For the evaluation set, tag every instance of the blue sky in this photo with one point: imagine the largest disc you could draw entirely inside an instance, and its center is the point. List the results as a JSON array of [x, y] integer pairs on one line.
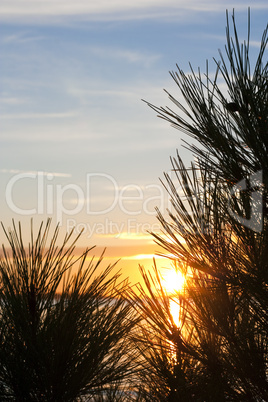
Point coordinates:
[[77, 142]]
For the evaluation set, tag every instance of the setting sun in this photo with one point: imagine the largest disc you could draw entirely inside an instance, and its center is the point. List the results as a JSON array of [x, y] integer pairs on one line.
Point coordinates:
[[172, 281]]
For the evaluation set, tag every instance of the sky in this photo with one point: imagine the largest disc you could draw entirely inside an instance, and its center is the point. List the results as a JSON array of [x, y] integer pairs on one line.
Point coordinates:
[[77, 143]]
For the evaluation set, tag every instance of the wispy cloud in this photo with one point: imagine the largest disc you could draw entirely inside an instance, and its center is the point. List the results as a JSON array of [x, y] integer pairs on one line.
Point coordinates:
[[36, 172], [117, 92], [129, 56], [255, 43], [143, 257], [11, 100], [12, 116], [21, 37], [130, 236], [115, 10]]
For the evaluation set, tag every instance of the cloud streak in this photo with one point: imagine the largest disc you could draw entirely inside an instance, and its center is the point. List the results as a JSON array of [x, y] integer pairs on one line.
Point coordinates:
[[18, 171], [32, 116], [115, 10], [143, 257], [125, 55], [20, 38]]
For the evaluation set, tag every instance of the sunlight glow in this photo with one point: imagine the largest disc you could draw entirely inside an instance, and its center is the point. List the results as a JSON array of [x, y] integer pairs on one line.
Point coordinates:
[[175, 312], [172, 281], [142, 257]]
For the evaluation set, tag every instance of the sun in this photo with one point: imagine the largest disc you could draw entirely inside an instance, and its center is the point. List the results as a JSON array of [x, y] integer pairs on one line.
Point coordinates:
[[172, 281]]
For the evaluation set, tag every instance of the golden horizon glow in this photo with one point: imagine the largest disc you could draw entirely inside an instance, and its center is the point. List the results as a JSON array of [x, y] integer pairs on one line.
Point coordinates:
[[142, 257], [128, 236]]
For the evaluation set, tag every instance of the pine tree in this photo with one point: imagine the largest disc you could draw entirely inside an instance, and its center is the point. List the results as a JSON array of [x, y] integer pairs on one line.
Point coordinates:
[[63, 325], [216, 233]]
